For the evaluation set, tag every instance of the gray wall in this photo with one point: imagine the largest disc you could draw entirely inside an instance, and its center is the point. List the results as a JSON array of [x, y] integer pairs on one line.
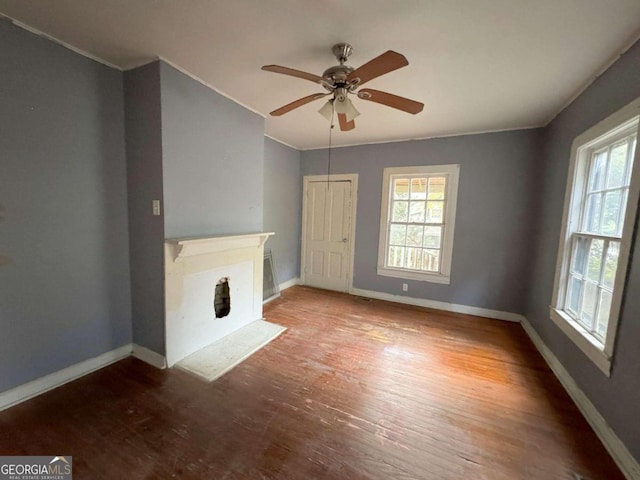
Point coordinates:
[[201, 154], [283, 207], [213, 160], [64, 297], [493, 222], [144, 173], [616, 398]]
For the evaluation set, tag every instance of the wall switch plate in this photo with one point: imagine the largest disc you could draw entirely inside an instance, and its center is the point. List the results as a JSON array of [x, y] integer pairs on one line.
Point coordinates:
[[405, 287], [156, 207]]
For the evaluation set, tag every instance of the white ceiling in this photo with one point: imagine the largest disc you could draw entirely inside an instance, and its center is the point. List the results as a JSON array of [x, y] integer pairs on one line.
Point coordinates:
[[477, 65]]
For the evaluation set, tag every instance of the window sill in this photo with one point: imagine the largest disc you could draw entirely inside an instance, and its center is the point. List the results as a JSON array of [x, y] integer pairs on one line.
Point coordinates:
[[410, 275], [591, 347]]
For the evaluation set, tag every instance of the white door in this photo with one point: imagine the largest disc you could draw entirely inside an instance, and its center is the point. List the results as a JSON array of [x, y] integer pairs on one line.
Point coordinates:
[[327, 234]]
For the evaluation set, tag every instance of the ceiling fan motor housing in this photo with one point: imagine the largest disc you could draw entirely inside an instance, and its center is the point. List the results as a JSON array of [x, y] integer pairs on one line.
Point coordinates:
[[337, 76]]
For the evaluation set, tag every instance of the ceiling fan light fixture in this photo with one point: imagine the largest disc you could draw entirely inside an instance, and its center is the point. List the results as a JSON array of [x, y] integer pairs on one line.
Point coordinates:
[[327, 110], [346, 106]]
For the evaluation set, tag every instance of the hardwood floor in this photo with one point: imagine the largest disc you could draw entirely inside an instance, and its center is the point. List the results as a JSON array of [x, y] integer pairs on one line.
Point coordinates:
[[353, 389]]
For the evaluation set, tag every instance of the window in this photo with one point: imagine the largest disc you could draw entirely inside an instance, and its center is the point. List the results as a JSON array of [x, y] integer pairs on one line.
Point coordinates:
[[600, 209], [417, 222]]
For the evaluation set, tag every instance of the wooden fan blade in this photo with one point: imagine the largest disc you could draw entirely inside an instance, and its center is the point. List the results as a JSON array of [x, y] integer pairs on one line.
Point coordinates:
[[292, 72], [297, 103], [344, 125], [390, 100], [385, 63]]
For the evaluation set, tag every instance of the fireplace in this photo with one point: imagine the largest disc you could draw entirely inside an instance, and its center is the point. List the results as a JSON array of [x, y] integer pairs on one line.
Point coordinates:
[[213, 287]]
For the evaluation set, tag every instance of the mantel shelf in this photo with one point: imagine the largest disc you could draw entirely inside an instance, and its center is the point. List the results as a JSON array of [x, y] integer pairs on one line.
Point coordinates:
[[192, 246]]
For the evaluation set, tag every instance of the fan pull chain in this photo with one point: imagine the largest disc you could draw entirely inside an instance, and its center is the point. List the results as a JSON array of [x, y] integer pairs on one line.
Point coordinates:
[[329, 155]]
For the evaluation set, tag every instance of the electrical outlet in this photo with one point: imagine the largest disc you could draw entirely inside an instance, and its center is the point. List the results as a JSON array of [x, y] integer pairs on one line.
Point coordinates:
[[155, 205], [405, 287]]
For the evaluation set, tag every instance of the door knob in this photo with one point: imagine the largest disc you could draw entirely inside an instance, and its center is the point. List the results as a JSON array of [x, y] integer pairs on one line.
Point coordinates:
[[345, 240]]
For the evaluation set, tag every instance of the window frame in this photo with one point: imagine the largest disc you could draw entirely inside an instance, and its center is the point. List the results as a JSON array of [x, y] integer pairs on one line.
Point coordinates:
[[452, 173], [605, 132]]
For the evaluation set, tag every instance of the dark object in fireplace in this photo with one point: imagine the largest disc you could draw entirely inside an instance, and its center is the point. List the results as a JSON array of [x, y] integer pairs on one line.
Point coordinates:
[[222, 300]]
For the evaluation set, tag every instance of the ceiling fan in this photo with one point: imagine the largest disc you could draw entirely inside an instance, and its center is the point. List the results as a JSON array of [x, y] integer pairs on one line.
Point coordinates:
[[342, 80]]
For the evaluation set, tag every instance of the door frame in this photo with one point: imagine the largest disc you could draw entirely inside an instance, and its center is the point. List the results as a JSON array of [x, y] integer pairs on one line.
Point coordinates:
[[353, 178]]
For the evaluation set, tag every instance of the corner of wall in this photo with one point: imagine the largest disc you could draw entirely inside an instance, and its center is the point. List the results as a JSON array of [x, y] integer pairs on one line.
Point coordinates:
[[621, 455]]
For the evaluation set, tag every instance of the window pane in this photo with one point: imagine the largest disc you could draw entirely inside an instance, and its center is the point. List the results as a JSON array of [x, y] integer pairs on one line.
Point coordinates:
[[603, 313], [431, 260], [575, 290], [598, 167], [401, 189], [416, 212], [400, 212], [581, 249], [611, 264], [437, 188], [414, 235], [592, 213], [610, 212], [413, 258], [432, 237], [623, 210], [595, 260], [617, 165], [590, 297], [397, 234], [418, 188], [396, 257], [435, 212]]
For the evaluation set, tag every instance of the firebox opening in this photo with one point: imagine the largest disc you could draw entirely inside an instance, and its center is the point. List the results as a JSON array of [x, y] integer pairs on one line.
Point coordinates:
[[222, 300]]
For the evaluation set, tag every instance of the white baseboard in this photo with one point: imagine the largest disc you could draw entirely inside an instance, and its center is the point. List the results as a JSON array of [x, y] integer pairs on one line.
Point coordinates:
[[449, 307], [629, 465], [289, 283], [282, 286], [149, 356], [44, 384]]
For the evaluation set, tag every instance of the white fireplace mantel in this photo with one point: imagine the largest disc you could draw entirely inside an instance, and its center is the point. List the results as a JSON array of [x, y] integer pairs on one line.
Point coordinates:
[[192, 268], [188, 247]]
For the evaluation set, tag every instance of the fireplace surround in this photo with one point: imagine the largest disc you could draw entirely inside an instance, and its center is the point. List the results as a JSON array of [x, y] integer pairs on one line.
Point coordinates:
[[194, 270]]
